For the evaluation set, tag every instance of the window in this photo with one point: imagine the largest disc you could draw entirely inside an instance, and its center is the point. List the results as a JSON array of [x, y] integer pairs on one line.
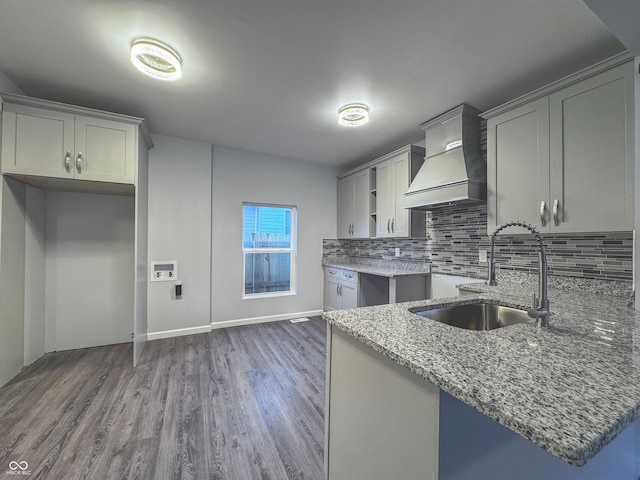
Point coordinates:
[[269, 249]]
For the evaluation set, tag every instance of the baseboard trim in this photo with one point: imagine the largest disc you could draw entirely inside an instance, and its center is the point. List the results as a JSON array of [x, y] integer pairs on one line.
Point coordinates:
[[265, 319], [178, 332]]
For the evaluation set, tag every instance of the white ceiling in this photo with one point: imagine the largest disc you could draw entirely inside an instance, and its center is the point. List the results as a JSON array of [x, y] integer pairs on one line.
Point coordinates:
[[269, 76]]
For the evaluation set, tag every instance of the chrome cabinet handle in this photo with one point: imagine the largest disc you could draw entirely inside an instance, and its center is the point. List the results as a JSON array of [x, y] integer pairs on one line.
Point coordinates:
[[393, 221], [388, 223], [338, 290], [79, 162], [543, 207], [556, 219], [67, 162], [340, 286]]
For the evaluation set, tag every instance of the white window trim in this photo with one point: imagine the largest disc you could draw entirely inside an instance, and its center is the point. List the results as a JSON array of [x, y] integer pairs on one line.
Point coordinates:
[[293, 251]]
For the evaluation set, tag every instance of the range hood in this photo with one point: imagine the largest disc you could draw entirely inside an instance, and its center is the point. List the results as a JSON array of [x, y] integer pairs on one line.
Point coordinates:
[[454, 170]]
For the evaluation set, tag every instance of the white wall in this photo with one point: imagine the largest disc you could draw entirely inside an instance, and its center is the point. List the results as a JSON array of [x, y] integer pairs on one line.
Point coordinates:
[[89, 270], [12, 202], [35, 285], [180, 229], [243, 177]]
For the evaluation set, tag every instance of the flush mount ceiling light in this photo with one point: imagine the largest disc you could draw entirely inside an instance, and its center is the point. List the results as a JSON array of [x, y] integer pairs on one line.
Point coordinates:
[[156, 59], [353, 115]]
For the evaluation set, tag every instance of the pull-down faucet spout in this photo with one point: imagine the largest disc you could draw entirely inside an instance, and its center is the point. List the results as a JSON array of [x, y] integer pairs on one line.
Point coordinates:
[[541, 301]]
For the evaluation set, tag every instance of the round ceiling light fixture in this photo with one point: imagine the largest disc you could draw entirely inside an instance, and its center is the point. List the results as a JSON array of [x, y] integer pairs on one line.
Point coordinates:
[[353, 115], [156, 59]]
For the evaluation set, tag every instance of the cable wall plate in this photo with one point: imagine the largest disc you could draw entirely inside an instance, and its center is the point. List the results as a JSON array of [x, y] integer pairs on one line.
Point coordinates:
[[164, 271]]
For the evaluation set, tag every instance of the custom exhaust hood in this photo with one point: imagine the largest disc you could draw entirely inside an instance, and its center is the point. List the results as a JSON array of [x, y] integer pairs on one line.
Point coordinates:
[[454, 170]]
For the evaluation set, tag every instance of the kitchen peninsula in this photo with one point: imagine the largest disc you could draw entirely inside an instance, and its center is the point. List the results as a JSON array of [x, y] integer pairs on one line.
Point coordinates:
[[404, 392]]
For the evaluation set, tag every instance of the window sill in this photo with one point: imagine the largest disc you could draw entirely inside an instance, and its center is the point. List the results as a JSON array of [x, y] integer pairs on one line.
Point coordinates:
[[254, 296]]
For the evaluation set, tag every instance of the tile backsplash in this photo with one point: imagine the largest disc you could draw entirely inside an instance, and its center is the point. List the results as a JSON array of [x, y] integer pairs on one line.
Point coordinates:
[[455, 235]]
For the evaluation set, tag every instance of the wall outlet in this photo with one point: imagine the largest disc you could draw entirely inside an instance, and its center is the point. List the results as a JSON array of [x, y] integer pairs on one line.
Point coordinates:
[[482, 256], [397, 251]]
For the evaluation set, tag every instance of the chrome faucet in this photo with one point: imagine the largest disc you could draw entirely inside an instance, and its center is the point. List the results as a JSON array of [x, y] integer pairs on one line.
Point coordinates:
[[541, 302]]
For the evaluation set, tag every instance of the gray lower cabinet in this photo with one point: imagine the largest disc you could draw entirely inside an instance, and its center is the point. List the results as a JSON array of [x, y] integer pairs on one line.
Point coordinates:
[[442, 286], [564, 161], [381, 420], [350, 289], [340, 289]]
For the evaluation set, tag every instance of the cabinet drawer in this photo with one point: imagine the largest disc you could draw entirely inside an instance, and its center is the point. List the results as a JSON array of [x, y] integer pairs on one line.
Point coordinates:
[[332, 272], [349, 276]]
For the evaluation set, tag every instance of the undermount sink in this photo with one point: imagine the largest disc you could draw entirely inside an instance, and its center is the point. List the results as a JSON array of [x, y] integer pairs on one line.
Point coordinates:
[[477, 316]]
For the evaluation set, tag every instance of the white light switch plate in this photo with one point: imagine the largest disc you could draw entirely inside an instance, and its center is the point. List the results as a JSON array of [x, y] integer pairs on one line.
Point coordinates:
[[397, 251], [482, 256]]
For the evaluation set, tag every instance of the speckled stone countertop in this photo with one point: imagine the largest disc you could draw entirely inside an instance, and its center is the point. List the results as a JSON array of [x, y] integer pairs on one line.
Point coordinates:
[[569, 389], [383, 268]]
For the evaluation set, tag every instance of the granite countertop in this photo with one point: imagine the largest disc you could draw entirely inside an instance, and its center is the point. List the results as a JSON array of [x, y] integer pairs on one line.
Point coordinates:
[[383, 268], [569, 389]]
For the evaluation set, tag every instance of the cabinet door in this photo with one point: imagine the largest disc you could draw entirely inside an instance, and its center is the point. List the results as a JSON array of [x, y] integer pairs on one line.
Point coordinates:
[[346, 206], [105, 150], [518, 166], [37, 141], [400, 219], [385, 199], [349, 294], [362, 190], [332, 299], [592, 153]]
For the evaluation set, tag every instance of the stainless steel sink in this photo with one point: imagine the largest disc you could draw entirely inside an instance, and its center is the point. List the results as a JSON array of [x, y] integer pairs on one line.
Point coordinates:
[[477, 316]]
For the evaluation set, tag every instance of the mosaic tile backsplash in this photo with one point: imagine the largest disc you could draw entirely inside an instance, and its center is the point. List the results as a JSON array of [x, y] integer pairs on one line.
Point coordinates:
[[455, 234]]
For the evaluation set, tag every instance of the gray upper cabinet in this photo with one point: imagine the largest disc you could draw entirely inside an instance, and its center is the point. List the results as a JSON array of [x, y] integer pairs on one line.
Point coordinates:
[[42, 141], [353, 205], [394, 173], [371, 200], [562, 158], [518, 164], [37, 141], [392, 181]]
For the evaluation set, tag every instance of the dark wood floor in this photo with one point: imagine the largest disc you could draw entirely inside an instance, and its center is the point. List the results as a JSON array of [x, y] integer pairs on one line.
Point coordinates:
[[239, 403]]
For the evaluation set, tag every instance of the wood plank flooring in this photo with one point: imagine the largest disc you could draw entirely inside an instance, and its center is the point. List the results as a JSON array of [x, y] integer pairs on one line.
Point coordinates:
[[240, 403]]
